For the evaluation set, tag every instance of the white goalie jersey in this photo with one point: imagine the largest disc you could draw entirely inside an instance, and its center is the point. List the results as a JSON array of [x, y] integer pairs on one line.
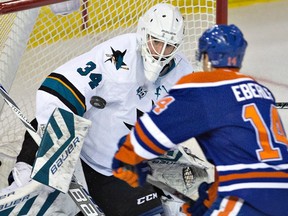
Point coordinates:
[[106, 85]]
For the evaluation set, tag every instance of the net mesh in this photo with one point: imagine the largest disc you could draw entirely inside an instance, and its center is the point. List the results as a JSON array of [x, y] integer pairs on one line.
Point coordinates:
[[34, 42]]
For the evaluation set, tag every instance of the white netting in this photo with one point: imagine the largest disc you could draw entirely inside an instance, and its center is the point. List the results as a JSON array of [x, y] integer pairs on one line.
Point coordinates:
[[55, 39]]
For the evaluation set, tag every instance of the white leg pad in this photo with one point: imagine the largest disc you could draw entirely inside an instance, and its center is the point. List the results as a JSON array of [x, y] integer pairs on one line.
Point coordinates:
[[7, 164]]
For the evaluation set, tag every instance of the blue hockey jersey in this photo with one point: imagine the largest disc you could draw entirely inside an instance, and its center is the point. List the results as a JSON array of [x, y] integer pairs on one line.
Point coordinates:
[[236, 123]]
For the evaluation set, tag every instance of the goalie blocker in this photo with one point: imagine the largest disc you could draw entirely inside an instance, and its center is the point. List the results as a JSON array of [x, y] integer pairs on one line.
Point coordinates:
[[87, 206], [59, 149]]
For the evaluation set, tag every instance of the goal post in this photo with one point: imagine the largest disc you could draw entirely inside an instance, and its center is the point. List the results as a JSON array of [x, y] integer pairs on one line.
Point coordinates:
[[222, 12], [35, 41], [20, 5]]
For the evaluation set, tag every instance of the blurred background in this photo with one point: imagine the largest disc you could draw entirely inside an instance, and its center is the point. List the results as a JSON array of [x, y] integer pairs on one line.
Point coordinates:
[[265, 27]]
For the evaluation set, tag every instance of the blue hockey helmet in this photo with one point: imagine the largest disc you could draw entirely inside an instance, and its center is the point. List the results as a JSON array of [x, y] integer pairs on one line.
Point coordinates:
[[224, 44]]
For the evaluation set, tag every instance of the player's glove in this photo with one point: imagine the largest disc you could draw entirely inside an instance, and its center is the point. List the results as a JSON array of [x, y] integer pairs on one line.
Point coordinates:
[[186, 209], [128, 166]]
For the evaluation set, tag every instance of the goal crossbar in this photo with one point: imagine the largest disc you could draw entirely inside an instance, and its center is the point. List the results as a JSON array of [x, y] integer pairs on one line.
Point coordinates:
[[20, 5]]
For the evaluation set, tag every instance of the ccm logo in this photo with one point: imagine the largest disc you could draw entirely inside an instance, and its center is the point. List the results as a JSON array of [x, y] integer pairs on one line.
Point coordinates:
[[147, 198]]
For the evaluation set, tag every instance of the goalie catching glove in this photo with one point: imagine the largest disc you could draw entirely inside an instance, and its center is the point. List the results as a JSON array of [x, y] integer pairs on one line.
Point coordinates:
[[207, 195], [128, 166]]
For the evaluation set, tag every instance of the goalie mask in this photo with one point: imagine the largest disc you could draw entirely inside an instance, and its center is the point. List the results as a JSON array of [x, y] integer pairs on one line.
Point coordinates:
[[224, 44], [160, 33]]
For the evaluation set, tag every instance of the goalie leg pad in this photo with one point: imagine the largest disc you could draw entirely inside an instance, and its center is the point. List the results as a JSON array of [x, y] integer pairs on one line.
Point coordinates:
[[6, 165], [28, 197]]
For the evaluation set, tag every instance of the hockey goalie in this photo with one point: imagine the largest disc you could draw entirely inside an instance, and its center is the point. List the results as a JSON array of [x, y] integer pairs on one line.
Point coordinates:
[[123, 72], [177, 172]]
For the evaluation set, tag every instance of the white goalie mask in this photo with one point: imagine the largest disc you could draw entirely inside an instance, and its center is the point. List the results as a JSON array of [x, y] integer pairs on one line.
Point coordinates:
[[160, 33]]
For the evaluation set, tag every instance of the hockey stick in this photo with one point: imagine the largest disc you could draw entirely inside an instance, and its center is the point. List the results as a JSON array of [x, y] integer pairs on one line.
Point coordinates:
[[76, 191], [282, 105]]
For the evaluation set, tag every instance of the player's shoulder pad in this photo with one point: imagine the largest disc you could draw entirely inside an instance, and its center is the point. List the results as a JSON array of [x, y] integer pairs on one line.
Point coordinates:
[[217, 76], [119, 56]]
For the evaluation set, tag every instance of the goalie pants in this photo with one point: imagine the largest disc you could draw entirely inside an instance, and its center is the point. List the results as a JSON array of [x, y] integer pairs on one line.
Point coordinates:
[[117, 198]]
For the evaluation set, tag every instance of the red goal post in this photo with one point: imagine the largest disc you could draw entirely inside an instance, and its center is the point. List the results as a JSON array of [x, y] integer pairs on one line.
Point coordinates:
[[34, 41], [20, 5], [222, 12]]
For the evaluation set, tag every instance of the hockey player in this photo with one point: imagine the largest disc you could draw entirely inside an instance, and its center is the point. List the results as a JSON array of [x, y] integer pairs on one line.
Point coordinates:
[[235, 121], [112, 85]]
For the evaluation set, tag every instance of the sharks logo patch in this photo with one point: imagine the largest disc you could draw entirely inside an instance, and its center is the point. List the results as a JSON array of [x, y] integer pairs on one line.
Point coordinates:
[[117, 58]]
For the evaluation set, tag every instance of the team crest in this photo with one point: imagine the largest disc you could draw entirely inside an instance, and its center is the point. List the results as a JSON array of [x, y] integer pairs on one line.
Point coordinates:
[[117, 58], [159, 89], [141, 92]]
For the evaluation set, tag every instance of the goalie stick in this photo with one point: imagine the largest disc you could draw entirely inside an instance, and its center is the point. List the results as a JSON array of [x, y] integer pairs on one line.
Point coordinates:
[[282, 105], [76, 191]]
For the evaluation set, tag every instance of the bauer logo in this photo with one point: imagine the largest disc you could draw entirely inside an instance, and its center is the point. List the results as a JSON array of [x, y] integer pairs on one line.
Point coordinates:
[[59, 149], [14, 202], [68, 151], [7, 195]]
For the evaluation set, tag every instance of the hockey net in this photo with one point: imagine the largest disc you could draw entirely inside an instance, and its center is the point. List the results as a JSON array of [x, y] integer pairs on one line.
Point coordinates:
[[34, 42]]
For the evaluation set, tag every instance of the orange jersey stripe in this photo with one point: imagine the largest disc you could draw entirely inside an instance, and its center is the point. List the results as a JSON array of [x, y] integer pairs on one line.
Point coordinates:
[[229, 206], [215, 76], [212, 192], [126, 153], [147, 141], [253, 175]]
